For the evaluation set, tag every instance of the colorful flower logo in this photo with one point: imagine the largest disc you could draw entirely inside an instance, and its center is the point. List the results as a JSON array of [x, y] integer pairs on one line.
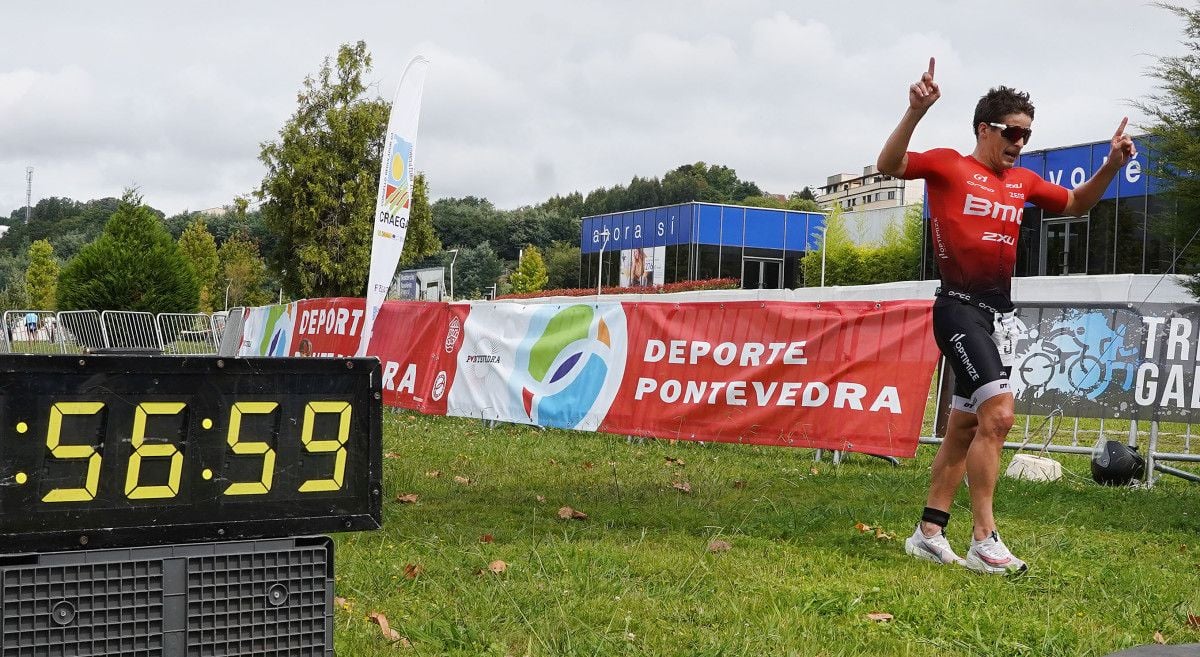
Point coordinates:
[[571, 362]]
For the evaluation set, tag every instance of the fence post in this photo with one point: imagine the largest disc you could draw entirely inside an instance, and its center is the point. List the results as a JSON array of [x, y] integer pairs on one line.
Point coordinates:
[[1150, 450]]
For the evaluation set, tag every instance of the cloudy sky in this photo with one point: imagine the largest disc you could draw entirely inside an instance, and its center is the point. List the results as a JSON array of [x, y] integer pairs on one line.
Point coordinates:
[[528, 99]]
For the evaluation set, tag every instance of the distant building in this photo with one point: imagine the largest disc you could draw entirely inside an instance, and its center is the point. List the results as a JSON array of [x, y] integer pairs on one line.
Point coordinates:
[[762, 247], [869, 191]]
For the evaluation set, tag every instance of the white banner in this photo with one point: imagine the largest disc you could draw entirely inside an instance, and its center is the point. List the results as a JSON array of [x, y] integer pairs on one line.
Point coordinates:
[[394, 200]]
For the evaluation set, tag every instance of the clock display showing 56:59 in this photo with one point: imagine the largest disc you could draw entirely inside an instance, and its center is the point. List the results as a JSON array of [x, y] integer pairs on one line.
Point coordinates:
[[119, 446]]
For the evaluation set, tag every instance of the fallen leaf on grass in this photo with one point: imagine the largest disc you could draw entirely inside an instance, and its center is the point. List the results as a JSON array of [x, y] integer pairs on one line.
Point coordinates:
[[882, 535], [879, 616], [408, 498], [486, 538], [341, 602], [567, 513], [718, 546], [541, 498], [411, 570], [382, 621], [815, 471], [587, 465], [671, 460], [433, 474], [1159, 638], [465, 481], [553, 462], [497, 566], [682, 486], [1193, 621], [739, 484], [392, 455], [863, 527]]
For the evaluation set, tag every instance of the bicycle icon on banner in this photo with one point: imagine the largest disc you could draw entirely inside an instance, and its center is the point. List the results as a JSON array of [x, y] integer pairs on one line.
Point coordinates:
[[1079, 356]]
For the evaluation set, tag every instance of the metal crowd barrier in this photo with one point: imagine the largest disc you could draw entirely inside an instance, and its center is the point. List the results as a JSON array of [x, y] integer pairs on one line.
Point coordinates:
[[1056, 433], [84, 331]]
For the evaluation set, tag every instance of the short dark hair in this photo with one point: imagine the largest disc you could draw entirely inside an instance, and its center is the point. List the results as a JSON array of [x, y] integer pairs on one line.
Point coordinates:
[[998, 103]]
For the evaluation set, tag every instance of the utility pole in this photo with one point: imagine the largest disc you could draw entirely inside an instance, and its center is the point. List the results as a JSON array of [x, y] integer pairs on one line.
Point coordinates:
[[28, 192]]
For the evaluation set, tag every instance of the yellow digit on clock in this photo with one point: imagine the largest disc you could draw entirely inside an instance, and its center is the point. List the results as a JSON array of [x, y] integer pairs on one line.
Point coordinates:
[[72, 452], [242, 447], [133, 490], [319, 446]]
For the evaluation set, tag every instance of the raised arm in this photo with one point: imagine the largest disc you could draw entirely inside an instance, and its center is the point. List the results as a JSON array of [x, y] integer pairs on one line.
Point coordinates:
[[1084, 197], [893, 159]]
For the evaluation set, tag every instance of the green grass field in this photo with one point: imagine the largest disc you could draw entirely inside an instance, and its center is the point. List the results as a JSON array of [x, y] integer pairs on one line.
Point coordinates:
[[1108, 567]]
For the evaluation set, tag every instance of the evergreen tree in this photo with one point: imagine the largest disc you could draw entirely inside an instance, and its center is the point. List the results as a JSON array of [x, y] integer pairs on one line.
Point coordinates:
[[477, 269], [1175, 136], [241, 274], [200, 250], [562, 266], [133, 265], [843, 260], [41, 279], [322, 176], [530, 274]]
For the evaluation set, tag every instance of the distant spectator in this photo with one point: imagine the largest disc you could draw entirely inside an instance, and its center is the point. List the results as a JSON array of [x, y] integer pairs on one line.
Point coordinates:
[[31, 324]]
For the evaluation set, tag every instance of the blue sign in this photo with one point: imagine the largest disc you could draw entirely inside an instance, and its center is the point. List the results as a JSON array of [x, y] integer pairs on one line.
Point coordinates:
[[702, 223], [1071, 166]]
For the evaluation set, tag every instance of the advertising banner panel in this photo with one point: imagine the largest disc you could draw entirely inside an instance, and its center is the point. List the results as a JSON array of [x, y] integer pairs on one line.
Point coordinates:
[[1108, 361], [417, 342], [852, 376], [328, 327]]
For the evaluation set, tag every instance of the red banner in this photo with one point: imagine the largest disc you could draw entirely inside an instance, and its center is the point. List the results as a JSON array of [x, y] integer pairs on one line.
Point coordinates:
[[417, 343], [849, 375], [852, 376], [327, 327]]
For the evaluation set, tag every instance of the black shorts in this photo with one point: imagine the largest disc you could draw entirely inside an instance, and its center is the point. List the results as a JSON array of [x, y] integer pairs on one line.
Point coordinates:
[[979, 345]]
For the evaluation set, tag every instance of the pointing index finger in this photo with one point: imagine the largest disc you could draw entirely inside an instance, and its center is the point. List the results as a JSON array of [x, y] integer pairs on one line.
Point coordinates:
[[1121, 128], [931, 67]]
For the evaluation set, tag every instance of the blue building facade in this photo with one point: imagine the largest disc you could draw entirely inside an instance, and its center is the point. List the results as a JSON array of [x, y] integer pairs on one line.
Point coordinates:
[[692, 241], [1132, 230]]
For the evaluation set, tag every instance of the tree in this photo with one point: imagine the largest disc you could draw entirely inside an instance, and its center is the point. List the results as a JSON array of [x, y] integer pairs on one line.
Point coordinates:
[[562, 266], [241, 273], [319, 190], [843, 260], [477, 269], [1175, 112], [133, 265], [420, 241], [68, 225], [14, 296], [805, 194], [898, 258], [467, 221], [41, 279], [530, 274], [200, 250]]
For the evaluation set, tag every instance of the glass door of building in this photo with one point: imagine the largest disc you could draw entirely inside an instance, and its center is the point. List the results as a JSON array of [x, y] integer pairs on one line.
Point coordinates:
[[762, 273], [1064, 250]]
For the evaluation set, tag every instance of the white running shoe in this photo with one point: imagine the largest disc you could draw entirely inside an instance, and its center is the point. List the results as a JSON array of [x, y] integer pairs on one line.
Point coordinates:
[[991, 556], [936, 548]]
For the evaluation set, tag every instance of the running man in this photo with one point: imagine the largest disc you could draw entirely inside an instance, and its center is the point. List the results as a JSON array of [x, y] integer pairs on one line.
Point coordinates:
[[975, 206]]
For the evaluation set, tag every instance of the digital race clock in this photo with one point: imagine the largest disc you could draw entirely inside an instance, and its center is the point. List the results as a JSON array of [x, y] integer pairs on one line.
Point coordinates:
[[102, 451]]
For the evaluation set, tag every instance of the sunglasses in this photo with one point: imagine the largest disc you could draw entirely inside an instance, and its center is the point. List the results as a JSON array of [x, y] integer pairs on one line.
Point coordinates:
[[1013, 133]]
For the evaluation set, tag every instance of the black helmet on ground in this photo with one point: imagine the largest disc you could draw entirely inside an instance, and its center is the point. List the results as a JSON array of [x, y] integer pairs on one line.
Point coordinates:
[[1116, 464]]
